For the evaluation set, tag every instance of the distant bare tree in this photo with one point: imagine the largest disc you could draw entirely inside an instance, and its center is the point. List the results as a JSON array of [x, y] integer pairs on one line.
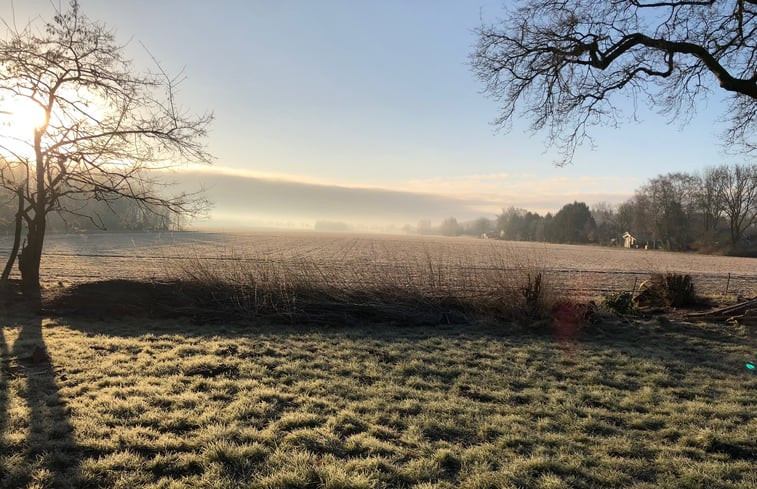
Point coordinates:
[[450, 227], [481, 226], [104, 126], [510, 224], [671, 199], [738, 191], [562, 62], [709, 199], [625, 216], [606, 218], [643, 218]]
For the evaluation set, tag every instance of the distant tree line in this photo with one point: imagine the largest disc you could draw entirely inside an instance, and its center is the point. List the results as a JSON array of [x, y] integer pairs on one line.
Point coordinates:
[[572, 224], [711, 210], [116, 214], [332, 226]]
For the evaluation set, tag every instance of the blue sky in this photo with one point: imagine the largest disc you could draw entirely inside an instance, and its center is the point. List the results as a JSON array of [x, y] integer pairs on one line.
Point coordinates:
[[371, 95]]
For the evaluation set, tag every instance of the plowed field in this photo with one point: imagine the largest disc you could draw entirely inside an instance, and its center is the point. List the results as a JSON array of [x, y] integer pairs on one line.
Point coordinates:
[[582, 270]]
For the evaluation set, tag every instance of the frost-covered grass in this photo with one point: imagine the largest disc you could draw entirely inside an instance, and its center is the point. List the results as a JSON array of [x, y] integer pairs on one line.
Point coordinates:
[[167, 404]]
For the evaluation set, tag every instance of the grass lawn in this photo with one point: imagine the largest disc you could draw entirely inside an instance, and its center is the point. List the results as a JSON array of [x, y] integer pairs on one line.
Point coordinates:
[[140, 403]]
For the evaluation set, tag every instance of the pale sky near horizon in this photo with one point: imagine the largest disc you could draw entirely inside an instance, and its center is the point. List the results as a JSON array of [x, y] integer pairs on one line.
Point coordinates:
[[327, 98]]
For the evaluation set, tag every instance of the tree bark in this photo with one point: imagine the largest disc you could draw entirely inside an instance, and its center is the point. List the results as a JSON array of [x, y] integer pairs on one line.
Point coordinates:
[[31, 255], [16, 237], [735, 232]]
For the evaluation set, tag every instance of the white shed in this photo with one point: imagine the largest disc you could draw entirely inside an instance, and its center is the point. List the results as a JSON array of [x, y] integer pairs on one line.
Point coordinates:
[[629, 241]]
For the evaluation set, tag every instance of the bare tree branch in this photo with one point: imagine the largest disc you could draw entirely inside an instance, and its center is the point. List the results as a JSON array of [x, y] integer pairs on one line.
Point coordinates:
[[561, 63]]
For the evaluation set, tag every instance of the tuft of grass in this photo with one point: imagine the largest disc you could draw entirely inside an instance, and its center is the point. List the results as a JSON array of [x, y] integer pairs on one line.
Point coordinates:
[[679, 290], [672, 290]]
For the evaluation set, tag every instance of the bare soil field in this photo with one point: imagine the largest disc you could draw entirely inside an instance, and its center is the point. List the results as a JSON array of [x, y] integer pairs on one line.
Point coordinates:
[[582, 271]]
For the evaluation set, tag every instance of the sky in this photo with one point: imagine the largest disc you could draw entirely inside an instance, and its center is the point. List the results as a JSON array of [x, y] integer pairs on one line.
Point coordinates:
[[368, 113]]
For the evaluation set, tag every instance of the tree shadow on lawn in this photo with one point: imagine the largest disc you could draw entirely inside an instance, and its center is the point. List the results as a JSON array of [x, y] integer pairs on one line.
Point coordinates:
[[611, 350], [49, 455], [681, 361], [123, 308], [126, 308], [696, 343]]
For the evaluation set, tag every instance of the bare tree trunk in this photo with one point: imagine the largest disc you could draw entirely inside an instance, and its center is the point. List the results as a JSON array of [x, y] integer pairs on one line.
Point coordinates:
[[16, 237], [735, 232], [31, 255]]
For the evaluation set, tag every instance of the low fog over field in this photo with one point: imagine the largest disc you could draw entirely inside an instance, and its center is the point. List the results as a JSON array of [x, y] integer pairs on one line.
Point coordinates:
[[243, 200]]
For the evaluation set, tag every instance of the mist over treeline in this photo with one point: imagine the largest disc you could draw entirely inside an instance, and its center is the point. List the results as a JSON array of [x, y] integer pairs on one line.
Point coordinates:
[[714, 210], [113, 214]]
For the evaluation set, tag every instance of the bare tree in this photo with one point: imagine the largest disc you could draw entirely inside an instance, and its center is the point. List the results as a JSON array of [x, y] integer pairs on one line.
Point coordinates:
[[562, 63], [605, 216], [671, 207], [450, 227], [738, 192], [104, 127], [709, 199], [625, 216], [642, 214]]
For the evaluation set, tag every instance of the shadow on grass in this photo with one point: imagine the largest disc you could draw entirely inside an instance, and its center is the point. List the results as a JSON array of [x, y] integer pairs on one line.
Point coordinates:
[[5, 371], [214, 303], [46, 453], [124, 308]]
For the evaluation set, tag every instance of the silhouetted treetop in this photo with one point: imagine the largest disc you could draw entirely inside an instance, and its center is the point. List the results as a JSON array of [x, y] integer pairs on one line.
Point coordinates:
[[105, 127], [562, 62]]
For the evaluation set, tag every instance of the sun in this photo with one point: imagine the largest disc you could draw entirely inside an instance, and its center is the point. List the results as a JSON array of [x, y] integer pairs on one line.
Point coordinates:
[[21, 114], [19, 117]]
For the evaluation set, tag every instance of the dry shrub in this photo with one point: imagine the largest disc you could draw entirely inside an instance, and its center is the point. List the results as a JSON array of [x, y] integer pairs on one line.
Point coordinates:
[[533, 295], [619, 302], [428, 289], [667, 290], [516, 287]]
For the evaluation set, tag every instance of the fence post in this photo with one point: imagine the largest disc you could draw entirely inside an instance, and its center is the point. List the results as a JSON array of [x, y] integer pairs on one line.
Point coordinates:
[[728, 283]]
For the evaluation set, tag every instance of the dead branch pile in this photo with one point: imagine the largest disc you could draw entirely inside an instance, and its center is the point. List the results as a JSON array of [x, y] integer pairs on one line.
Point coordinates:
[[742, 313]]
